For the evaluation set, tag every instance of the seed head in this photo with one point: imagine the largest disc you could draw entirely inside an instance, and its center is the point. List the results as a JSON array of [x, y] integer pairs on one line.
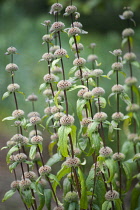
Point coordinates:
[[56, 7], [118, 156], [47, 22], [86, 121], [58, 208], [70, 9], [48, 78], [117, 116], [13, 87], [92, 58], [67, 120], [54, 137], [64, 84], [129, 81], [130, 56], [88, 95], [59, 53], [35, 120], [86, 75], [106, 151], [79, 47], [128, 14], [71, 197], [32, 97], [72, 162], [55, 109], [36, 139], [111, 195], [92, 45], [12, 158], [77, 24], [133, 108], [25, 184], [47, 38], [58, 115], [33, 133], [18, 113], [79, 62], [78, 73], [47, 111], [17, 138], [11, 67], [77, 151], [17, 123], [10, 143], [57, 26], [100, 116], [117, 66], [15, 184], [117, 89], [132, 136], [56, 70], [127, 32], [33, 114], [54, 48], [47, 56], [47, 92], [30, 175], [20, 157], [81, 92], [97, 72], [74, 31], [117, 52], [44, 170], [11, 50], [98, 91]]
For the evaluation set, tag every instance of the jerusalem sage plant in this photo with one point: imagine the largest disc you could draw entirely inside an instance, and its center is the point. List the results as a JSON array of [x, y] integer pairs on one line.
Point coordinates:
[[76, 147]]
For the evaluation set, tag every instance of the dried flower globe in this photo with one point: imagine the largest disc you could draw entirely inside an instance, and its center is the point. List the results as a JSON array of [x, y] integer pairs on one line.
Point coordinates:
[[48, 57], [77, 46], [64, 84], [92, 58], [128, 32], [11, 50], [117, 66], [130, 56], [71, 197], [36, 139], [59, 53], [11, 67], [67, 120], [98, 91], [74, 31], [118, 156], [100, 116], [70, 9], [97, 72], [44, 170], [18, 113], [25, 184], [111, 195], [117, 89], [32, 97], [13, 87], [48, 78], [79, 62], [47, 38], [35, 120], [129, 81], [128, 14], [57, 26], [15, 184], [21, 157], [117, 116], [106, 151]]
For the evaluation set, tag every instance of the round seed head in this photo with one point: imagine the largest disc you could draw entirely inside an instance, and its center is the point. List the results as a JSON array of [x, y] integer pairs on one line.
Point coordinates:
[[130, 56], [30, 175], [17, 138], [58, 115], [54, 48], [129, 81], [97, 72], [12, 158], [33, 133], [106, 151], [48, 78], [10, 143], [127, 32], [55, 109], [47, 22], [100, 116], [11, 50], [78, 73], [54, 137], [15, 184], [88, 95], [72, 162], [57, 26], [13, 87], [79, 47], [59, 53], [33, 114], [117, 66], [18, 113], [77, 24], [58, 208], [81, 92], [128, 14], [117, 89], [79, 62], [56, 70], [67, 120], [64, 85], [77, 151], [92, 58], [47, 92], [32, 97], [20, 157], [47, 111], [25, 184], [111, 195], [17, 123], [92, 45], [35, 120], [11, 67], [43, 183], [71, 197], [98, 91], [117, 52], [47, 38], [133, 108], [118, 156], [132, 136], [74, 31], [70, 9], [117, 116], [47, 56], [137, 156], [86, 75], [86, 121], [36, 139], [56, 7], [44, 170], [25, 140]]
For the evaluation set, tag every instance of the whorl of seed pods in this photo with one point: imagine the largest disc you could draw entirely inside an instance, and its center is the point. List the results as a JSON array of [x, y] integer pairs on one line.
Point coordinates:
[[77, 24], [129, 81], [77, 151], [35, 120], [92, 58], [81, 92], [54, 137], [36, 139], [117, 116], [118, 156], [100, 116], [15, 184], [130, 56], [133, 108], [57, 26], [56, 70], [79, 62], [46, 22], [56, 7], [111, 195], [48, 78], [106, 151], [44, 170], [96, 72], [20, 157], [64, 85], [10, 143], [88, 95], [117, 89], [17, 138], [128, 14], [98, 91], [117, 66], [13, 87], [47, 56], [58, 115], [18, 113], [54, 48], [59, 53], [79, 47], [78, 73], [72, 162], [55, 109], [71, 197], [70, 9], [30, 175], [74, 31], [67, 120], [17, 123], [117, 52], [32, 97], [47, 111], [47, 38], [25, 184], [127, 32], [33, 133], [11, 67], [86, 121], [12, 158], [11, 50], [132, 136], [33, 114]]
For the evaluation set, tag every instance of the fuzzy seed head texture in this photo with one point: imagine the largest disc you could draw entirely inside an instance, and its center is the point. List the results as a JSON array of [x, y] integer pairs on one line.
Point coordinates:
[[47, 22], [92, 58], [30, 175], [54, 137], [130, 56], [36, 139], [128, 32], [132, 136], [47, 38], [13, 87], [48, 56], [117, 89], [58, 208], [118, 156], [106, 151], [20, 157], [67, 120], [15, 184], [86, 121], [100, 116], [54, 48], [56, 70], [88, 95], [72, 162], [60, 53], [129, 81], [70, 9], [47, 92], [25, 184], [77, 151], [44, 170], [56, 7], [18, 113], [57, 26], [128, 14], [64, 85], [10, 143], [92, 45], [55, 109], [98, 91], [117, 52], [77, 24], [11, 67], [11, 50], [81, 92], [117, 66], [58, 115], [32, 97], [117, 116], [86, 75], [17, 138], [71, 197], [74, 31], [79, 47], [33, 114], [48, 78], [97, 72], [111, 195], [24, 141], [33, 133], [12, 158], [79, 62], [133, 108], [78, 73], [17, 123], [35, 120], [47, 111]]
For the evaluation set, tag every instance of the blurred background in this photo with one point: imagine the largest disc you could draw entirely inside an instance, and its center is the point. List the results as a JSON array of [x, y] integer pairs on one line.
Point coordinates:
[[21, 27]]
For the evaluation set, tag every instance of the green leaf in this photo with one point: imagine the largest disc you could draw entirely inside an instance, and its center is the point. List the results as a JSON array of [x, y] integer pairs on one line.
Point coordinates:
[[112, 126], [48, 197], [66, 186], [136, 64], [42, 87], [100, 192], [137, 92], [10, 152], [78, 38], [112, 170], [13, 166], [102, 102], [72, 206], [51, 146], [56, 98], [27, 197], [107, 205], [91, 82], [118, 204], [54, 159], [73, 69], [63, 133], [32, 152], [73, 134], [8, 195], [126, 147], [136, 118], [82, 143], [110, 73], [83, 199], [123, 73], [125, 98], [54, 178], [55, 62], [128, 172], [5, 95], [71, 41], [124, 41], [8, 118], [95, 141], [134, 198], [90, 179], [41, 201], [92, 128], [21, 93], [76, 87], [112, 94], [80, 105]]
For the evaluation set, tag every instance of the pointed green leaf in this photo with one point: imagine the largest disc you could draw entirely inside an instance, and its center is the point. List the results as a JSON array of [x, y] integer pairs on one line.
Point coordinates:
[[110, 73], [112, 170], [13, 166], [42, 87], [8, 118], [107, 205], [73, 134], [118, 204], [5, 95], [54, 159], [27, 197], [41, 201], [32, 152], [80, 105], [92, 128], [55, 62], [72, 206], [56, 98], [74, 87], [125, 98], [100, 192], [8, 195], [135, 195], [63, 133], [95, 141], [51, 146], [127, 166], [73, 69], [10, 152], [112, 94], [66, 186], [48, 197], [124, 41]]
